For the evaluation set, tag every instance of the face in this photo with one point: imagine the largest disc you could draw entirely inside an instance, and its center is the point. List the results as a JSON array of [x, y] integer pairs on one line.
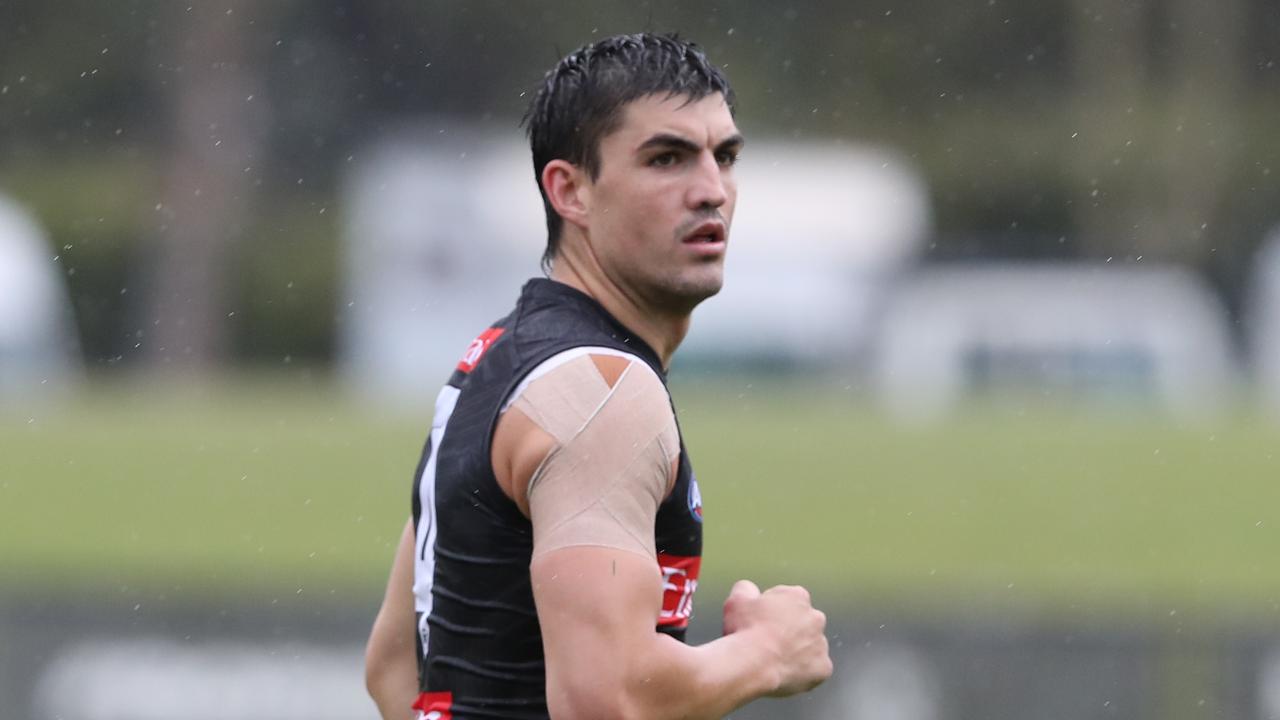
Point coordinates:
[[659, 211]]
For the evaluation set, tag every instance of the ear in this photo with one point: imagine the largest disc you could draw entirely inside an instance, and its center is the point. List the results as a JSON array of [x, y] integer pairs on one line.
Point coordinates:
[[568, 190]]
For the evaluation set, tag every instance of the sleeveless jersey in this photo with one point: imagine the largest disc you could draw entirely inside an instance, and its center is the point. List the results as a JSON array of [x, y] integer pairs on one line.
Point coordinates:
[[479, 643]]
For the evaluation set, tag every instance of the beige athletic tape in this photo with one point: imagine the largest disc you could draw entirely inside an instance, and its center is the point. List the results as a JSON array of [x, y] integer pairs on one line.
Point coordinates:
[[602, 483], [562, 401], [561, 358]]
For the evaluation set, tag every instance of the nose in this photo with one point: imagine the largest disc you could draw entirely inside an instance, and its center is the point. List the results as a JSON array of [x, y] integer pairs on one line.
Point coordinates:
[[708, 187]]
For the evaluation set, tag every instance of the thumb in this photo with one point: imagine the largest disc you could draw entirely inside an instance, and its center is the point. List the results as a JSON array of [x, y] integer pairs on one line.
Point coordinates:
[[744, 590]]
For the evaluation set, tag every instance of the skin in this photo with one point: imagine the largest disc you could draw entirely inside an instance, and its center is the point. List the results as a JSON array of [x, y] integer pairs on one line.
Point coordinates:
[[391, 663], [665, 171]]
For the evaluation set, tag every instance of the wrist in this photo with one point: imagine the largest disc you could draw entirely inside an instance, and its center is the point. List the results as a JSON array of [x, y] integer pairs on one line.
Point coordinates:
[[757, 648]]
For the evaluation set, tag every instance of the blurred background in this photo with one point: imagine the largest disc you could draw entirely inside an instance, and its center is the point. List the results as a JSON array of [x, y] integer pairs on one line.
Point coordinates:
[[995, 372]]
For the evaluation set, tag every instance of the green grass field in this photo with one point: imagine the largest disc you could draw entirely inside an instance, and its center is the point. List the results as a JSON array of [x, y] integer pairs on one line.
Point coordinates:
[[285, 487]]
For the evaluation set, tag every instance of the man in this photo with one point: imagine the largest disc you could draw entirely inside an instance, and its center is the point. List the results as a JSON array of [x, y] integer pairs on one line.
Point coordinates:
[[556, 534]]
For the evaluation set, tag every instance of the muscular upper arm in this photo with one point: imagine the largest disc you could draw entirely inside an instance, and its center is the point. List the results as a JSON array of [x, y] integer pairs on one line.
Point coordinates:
[[597, 607], [605, 449]]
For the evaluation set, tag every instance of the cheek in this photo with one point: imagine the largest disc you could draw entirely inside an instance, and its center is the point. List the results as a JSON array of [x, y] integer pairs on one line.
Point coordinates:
[[645, 214], [651, 201], [641, 217]]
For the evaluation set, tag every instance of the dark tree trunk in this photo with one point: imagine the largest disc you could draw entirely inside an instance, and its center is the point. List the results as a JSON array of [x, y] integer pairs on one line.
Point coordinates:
[[216, 108]]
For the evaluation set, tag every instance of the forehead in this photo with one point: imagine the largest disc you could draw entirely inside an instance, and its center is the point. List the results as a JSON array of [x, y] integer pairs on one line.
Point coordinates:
[[704, 121]]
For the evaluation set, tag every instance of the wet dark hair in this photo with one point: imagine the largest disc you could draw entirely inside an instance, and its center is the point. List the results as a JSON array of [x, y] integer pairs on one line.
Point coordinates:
[[582, 98]]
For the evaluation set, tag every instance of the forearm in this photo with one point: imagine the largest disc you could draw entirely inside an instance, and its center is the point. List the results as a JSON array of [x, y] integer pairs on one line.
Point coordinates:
[[393, 685], [391, 659], [604, 659], [655, 677], [705, 681]]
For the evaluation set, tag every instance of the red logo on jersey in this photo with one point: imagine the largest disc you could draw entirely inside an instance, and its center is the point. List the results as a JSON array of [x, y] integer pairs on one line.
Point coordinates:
[[434, 706], [477, 349], [679, 582]]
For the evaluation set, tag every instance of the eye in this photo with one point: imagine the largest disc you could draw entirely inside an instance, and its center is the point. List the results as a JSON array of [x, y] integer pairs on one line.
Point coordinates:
[[666, 159], [727, 158]]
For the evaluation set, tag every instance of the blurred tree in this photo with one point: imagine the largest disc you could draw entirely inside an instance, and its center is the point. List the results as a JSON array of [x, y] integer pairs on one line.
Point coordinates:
[[1157, 106], [218, 121], [1208, 67], [1109, 54], [110, 109]]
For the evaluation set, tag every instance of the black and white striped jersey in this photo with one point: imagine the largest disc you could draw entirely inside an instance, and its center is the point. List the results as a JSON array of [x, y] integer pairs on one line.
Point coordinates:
[[480, 648]]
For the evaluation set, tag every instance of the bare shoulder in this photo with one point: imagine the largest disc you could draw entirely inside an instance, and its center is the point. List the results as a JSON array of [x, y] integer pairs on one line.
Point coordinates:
[[519, 446]]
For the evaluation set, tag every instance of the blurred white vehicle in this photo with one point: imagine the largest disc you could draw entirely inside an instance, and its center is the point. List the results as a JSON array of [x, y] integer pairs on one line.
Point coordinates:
[[39, 354], [1060, 332], [443, 227]]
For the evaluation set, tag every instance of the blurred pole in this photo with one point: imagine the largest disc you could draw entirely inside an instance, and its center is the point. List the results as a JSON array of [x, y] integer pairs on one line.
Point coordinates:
[[216, 100]]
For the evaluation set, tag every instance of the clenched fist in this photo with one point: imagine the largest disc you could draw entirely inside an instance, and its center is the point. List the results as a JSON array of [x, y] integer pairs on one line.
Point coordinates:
[[785, 622]]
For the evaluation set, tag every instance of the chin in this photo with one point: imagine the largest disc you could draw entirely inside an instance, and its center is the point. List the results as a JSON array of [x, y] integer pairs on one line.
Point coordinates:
[[685, 293]]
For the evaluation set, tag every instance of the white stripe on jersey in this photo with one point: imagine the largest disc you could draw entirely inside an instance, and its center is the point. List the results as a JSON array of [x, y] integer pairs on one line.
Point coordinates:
[[424, 557]]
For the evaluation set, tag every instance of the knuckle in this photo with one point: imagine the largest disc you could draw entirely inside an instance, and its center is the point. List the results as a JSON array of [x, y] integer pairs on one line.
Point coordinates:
[[794, 591]]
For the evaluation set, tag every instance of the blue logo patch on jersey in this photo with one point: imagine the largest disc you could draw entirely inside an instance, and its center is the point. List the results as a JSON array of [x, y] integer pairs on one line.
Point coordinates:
[[695, 499]]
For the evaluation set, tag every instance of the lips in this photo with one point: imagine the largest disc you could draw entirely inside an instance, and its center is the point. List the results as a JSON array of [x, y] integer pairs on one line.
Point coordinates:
[[711, 232]]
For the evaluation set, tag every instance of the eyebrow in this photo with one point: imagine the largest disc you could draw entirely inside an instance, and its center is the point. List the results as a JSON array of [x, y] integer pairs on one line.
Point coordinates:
[[676, 142]]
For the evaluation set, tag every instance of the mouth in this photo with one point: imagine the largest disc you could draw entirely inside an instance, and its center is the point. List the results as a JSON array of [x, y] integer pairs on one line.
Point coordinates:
[[711, 232]]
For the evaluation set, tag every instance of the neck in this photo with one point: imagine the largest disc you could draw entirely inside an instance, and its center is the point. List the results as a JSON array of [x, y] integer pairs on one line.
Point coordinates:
[[661, 330]]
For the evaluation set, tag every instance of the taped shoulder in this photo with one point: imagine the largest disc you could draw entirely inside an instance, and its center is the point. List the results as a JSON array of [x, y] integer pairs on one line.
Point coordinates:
[[615, 447]]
